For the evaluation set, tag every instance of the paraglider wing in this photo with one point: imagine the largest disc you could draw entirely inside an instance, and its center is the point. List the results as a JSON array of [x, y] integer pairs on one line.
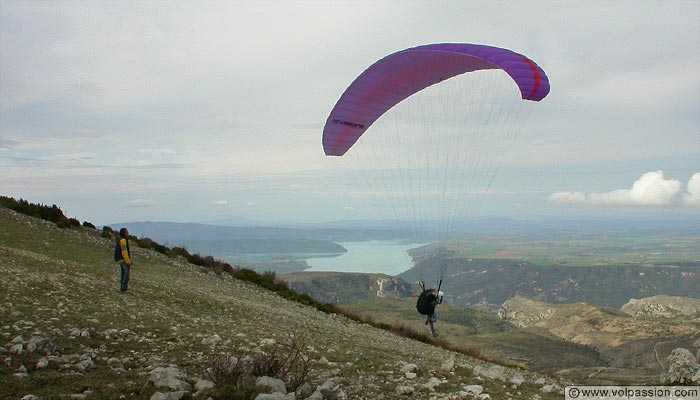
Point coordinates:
[[399, 75]]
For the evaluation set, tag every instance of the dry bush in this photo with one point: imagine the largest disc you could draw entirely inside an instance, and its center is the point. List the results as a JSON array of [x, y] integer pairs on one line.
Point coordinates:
[[228, 370], [284, 361]]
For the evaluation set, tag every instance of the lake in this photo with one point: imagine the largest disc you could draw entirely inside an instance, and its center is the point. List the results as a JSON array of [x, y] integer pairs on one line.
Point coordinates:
[[375, 256]]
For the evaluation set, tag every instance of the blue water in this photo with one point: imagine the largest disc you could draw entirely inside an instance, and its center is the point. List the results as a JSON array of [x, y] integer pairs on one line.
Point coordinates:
[[386, 257]]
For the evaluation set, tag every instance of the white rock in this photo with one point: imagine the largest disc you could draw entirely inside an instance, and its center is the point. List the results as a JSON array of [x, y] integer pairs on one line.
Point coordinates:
[[42, 363], [305, 390], [433, 382], [275, 396], [169, 396], [404, 390], [212, 340], [17, 349], [494, 372], [203, 384], [328, 390], [409, 367], [473, 390], [517, 379], [30, 397], [31, 347], [275, 385], [448, 365], [169, 377], [549, 388], [683, 368], [86, 364], [411, 375]]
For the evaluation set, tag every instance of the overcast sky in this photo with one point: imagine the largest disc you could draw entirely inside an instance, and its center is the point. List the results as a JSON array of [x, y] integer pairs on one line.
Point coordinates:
[[214, 110]]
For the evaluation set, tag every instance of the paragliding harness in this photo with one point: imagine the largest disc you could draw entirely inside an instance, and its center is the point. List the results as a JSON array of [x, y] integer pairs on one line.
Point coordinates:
[[427, 300]]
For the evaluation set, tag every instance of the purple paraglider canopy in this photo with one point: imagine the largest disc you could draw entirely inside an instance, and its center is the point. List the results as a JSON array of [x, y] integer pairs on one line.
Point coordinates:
[[399, 75]]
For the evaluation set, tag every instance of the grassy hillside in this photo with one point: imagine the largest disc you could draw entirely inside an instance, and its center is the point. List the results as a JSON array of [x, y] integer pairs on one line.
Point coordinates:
[[68, 332]]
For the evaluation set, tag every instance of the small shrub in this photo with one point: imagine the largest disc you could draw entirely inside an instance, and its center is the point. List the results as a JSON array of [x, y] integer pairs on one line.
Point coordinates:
[[88, 225], [107, 232], [63, 224], [283, 361], [270, 275], [227, 370], [180, 251], [225, 267], [232, 378], [73, 222]]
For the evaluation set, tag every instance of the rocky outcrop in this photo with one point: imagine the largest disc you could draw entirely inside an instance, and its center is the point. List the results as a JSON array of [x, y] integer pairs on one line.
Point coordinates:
[[393, 287], [683, 368], [523, 312], [347, 287], [663, 307]]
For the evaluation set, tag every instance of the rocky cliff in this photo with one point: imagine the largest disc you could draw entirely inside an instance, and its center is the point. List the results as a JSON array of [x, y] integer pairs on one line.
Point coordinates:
[[663, 307], [347, 287], [624, 340]]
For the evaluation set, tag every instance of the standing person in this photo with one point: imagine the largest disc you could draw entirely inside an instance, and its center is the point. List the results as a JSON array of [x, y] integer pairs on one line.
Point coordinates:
[[123, 256]]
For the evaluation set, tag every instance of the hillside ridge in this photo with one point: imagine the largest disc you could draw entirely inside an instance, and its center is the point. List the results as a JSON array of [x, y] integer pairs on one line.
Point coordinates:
[[68, 331]]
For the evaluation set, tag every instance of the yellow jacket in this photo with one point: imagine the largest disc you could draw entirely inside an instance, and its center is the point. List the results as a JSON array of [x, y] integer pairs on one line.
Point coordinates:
[[125, 251]]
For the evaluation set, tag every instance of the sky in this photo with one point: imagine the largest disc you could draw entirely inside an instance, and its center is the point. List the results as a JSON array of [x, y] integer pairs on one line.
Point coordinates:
[[213, 111]]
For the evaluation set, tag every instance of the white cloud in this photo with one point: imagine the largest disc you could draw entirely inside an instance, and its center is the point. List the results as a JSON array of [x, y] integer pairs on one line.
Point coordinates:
[[7, 144], [138, 203], [652, 189], [692, 198], [220, 203], [568, 198]]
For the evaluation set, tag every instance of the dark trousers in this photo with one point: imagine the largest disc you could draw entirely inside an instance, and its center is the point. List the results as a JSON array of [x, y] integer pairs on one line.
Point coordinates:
[[124, 281]]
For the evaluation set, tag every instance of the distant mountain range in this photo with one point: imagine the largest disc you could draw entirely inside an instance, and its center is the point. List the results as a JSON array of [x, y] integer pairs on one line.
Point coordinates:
[[359, 230], [294, 243], [226, 241]]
